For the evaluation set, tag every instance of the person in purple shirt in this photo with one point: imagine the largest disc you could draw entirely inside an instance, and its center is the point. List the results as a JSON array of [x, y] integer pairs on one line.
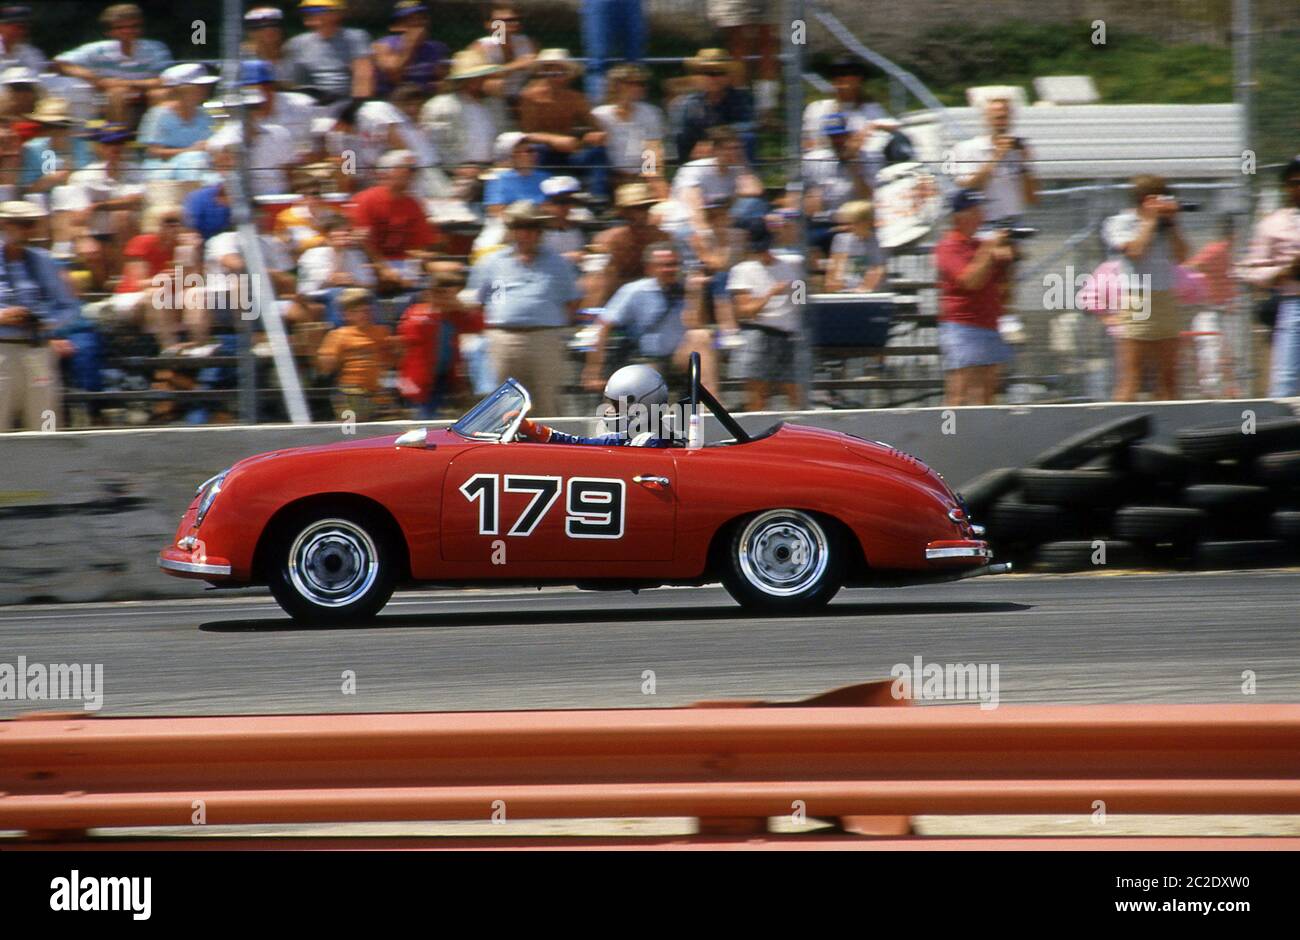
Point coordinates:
[[408, 56]]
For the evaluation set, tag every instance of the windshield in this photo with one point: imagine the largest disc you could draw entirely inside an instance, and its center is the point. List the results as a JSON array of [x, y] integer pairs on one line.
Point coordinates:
[[497, 417]]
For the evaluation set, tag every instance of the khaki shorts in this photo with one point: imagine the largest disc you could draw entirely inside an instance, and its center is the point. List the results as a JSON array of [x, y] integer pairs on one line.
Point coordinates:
[[1162, 319]]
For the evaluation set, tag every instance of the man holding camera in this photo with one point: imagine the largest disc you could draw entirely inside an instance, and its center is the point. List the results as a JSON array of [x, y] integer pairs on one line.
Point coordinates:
[[1151, 246], [999, 165], [972, 268]]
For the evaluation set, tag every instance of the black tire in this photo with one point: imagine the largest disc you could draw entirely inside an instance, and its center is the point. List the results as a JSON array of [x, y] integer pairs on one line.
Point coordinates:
[[1281, 468], [1080, 555], [1012, 521], [1216, 442], [1158, 463], [1069, 487], [1176, 524], [331, 567], [784, 560], [1245, 553], [1286, 524], [1228, 498], [1094, 442], [980, 493]]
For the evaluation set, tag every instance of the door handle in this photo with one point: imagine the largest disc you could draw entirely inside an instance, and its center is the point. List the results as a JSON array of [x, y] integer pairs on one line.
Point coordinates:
[[662, 481]]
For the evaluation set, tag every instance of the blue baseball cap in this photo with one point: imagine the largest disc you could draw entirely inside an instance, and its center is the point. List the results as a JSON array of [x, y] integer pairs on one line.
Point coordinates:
[[405, 8], [256, 72], [964, 199], [835, 125], [109, 133]]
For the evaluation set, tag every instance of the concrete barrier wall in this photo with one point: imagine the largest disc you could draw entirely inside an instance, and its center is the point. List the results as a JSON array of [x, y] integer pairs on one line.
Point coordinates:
[[84, 513]]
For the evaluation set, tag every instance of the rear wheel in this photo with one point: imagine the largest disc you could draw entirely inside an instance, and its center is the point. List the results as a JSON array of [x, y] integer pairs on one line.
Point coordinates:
[[328, 568], [783, 560]]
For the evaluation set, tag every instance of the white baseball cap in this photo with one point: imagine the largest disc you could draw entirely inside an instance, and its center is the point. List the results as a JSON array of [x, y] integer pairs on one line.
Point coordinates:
[[187, 73], [395, 158], [19, 75], [560, 186]]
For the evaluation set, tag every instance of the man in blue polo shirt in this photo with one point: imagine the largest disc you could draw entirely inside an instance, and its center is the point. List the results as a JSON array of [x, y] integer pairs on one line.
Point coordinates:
[[657, 316], [529, 296]]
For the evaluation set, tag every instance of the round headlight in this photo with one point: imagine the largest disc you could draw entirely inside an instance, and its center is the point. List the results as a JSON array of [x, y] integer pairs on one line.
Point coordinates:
[[210, 491]]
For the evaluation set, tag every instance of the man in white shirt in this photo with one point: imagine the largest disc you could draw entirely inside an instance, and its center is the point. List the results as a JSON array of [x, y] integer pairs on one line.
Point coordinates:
[[833, 176], [762, 291], [104, 199], [271, 152], [634, 130], [292, 110], [723, 176], [14, 47], [326, 270], [464, 122], [229, 287], [860, 112], [1000, 165]]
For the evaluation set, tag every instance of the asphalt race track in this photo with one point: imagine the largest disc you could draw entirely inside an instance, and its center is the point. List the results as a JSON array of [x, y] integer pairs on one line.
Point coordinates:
[[1055, 638]]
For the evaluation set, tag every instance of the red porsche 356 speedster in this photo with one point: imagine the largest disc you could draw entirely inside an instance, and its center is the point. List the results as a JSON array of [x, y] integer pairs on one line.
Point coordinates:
[[783, 518]]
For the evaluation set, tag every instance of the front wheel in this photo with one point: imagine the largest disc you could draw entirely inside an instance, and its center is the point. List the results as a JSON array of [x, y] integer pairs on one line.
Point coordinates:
[[332, 568], [783, 560]]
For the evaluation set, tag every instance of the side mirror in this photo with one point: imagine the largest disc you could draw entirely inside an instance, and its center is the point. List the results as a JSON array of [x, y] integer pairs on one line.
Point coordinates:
[[417, 438]]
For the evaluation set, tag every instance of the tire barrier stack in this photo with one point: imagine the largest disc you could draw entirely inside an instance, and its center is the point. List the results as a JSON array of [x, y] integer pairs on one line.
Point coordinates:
[[1226, 496]]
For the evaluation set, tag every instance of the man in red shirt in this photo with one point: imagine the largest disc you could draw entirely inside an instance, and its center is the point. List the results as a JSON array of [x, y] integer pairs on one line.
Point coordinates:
[[395, 232], [972, 283]]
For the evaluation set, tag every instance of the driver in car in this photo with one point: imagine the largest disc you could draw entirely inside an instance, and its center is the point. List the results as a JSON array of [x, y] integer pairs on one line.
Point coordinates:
[[635, 397]]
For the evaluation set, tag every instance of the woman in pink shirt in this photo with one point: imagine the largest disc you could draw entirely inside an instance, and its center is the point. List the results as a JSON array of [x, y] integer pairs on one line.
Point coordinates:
[[1273, 263]]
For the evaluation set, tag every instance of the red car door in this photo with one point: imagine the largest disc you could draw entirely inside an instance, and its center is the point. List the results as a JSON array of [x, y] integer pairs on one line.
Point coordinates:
[[560, 502]]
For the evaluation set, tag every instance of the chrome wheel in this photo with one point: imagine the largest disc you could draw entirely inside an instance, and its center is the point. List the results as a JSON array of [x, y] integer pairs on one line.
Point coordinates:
[[333, 562], [783, 552]]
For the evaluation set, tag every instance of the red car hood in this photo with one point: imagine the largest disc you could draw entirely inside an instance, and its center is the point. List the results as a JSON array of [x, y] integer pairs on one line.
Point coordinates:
[[387, 442]]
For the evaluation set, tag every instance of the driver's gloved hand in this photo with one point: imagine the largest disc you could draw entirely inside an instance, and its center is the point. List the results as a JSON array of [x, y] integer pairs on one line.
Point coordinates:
[[532, 431]]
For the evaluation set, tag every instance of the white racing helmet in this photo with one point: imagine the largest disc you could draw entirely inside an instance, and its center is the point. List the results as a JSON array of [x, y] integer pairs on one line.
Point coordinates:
[[631, 395]]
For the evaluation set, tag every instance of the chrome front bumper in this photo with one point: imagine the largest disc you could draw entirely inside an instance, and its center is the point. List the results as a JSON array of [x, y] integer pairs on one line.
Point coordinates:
[[192, 567]]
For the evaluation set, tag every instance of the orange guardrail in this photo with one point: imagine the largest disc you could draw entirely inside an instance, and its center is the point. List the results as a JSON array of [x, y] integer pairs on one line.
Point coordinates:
[[827, 760]]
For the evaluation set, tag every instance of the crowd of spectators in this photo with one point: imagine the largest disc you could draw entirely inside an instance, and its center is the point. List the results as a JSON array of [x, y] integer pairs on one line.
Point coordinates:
[[431, 220]]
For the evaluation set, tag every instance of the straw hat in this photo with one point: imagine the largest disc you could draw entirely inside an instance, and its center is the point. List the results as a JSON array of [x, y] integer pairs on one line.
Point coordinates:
[[53, 110], [468, 63], [634, 194], [20, 209], [710, 60], [854, 211], [521, 213], [550, 57], [354, 297]]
